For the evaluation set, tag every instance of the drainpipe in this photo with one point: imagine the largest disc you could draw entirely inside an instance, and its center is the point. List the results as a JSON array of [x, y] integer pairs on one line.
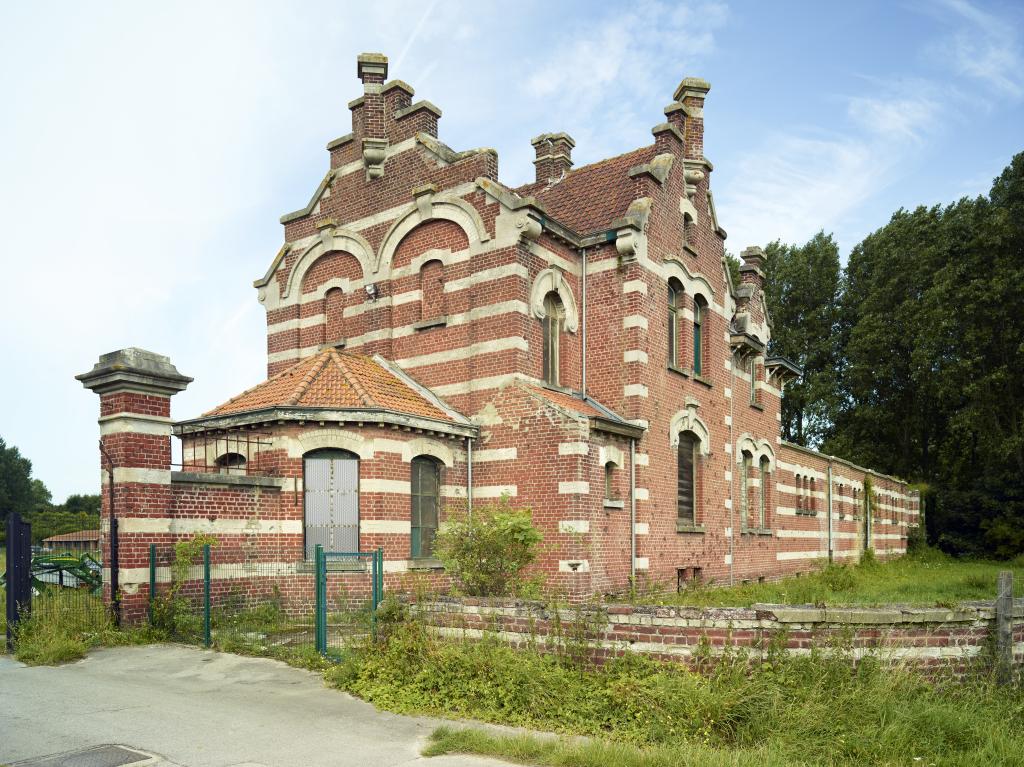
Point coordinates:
[[632, 511], [732, 467], [583, 322], [830, 553], [469, 476]]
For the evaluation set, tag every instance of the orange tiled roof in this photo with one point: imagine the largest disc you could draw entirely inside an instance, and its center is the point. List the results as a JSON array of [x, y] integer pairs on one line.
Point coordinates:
[[570, 402], [589, 198], [335, 379], [80, 535]]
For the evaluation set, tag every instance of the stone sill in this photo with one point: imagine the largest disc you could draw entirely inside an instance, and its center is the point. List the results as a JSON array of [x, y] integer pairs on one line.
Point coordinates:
[[690, 250], [756, 531], [757, 406], [436, 322], [685, 527], [424, 564], [679, 371], [610, 504], [228, 480], [801, 513], [704, 381]]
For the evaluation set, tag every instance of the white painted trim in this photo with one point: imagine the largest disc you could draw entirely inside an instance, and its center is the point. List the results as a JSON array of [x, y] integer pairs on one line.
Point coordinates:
[[218, 526], [495, 454], [573, 448], [466, 352], [386, 526], [573, 488], [634, 321], [124, 475], [579, 526], [635, 355]]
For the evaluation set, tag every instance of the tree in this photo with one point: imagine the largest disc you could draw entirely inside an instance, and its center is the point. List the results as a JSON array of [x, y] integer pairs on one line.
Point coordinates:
[[16, 489], [803, 286]]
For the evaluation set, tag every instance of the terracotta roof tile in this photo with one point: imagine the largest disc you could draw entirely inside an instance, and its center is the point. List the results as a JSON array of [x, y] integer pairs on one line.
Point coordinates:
[[337, 380], [589, 198], [80, 535]]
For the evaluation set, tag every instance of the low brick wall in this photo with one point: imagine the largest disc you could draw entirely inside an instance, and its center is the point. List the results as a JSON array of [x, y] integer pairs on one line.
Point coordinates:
[[925, 637]]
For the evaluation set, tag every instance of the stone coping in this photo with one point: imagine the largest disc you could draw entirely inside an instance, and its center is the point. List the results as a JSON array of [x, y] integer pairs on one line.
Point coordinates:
[[229, 480]]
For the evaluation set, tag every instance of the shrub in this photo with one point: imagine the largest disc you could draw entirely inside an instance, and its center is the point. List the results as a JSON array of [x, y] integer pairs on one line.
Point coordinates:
[[487, 551]]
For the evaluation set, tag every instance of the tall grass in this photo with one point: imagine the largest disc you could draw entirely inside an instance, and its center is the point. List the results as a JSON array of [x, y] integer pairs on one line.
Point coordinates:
[[928, 577], [813, 709]]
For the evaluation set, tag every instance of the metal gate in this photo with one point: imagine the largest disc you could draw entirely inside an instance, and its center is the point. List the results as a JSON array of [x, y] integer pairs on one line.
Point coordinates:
[[18, 579], [335, 624], [331, 505]]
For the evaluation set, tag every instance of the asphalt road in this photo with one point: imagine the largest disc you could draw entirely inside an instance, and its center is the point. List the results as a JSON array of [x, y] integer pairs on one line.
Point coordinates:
[[196, 708]]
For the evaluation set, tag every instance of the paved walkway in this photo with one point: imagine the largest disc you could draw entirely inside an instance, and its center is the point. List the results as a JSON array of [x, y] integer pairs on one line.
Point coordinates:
[[196, 708]]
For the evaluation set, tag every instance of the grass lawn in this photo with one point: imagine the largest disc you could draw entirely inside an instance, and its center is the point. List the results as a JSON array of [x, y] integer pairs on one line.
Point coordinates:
[[927, 578]]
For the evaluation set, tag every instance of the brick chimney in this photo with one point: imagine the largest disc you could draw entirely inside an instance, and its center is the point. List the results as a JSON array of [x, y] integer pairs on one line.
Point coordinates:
[[752, 268], [372, 69], [554, 156], [691, 94]]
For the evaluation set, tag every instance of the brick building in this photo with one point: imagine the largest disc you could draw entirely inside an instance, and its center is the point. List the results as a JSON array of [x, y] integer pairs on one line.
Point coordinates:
[[437, 339]]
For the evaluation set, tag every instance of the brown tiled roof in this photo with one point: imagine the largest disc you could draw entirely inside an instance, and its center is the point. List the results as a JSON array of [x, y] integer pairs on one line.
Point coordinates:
[[569, 402], [80, 535], [589, 198], [337, 380]]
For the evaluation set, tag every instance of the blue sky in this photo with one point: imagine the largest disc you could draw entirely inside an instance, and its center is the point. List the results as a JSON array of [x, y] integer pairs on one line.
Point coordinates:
[[147, 150]]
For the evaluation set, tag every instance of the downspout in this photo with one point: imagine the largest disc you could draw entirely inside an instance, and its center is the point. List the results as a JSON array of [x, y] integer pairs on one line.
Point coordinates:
[[830, 553], [583, 322], [632, 511], [469, 476], [732, 472]]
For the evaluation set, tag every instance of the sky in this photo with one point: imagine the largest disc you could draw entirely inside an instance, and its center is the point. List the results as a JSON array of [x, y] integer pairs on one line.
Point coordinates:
[[148, 150]]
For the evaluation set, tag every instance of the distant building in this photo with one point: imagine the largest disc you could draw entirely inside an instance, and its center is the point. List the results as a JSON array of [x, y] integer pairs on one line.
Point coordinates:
[[437, 339], [81, 540]]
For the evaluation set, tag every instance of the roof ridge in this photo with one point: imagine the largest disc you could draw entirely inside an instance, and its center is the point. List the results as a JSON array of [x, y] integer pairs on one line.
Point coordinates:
[[307, 379], [352, 379], [609, 159]]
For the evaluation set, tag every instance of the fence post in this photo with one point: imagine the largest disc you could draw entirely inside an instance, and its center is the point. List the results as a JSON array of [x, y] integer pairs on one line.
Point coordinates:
[[206, 594], [115, 568], [380, 575], [1004, 628], [152, 580], [19, 573], [321, 601]]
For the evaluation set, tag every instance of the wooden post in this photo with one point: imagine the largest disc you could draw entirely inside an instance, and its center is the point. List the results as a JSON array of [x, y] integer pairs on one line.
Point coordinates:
[[1004, 627]]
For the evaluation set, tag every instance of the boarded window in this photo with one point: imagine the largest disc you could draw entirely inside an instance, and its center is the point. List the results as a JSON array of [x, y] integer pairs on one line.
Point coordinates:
[[331, 503], [432, 290], [554, 312], [687, 478], [426, 502], [334, 310]]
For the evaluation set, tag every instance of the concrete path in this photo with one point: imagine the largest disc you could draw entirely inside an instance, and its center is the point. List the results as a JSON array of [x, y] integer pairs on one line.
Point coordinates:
[[197, 708]]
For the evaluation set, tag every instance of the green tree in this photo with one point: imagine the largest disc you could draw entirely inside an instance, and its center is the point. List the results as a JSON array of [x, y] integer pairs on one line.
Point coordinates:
[[803, 286], [16, 488]]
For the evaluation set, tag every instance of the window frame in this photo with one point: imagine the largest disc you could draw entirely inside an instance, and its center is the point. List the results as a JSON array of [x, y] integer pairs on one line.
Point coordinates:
[[694, 448], [416, 500], [551, 328], [699, 317], [331, 454], [675, 293], [764, 469]]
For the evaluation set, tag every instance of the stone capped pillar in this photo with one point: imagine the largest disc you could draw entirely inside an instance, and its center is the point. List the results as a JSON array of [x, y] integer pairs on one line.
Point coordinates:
[[691, 94], [372, 69], [135, 389]]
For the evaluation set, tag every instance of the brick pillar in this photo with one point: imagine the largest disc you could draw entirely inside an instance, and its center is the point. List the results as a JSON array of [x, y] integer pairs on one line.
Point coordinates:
[[372, 69], [554, 156], [135, 389], [691, 93]]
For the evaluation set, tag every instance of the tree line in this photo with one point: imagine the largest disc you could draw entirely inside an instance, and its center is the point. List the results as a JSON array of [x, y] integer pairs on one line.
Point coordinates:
[[28, 496], [913, 357]]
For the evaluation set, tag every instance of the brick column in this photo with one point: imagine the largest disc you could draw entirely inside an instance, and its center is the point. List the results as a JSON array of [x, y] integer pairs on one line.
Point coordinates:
[[135, 389]]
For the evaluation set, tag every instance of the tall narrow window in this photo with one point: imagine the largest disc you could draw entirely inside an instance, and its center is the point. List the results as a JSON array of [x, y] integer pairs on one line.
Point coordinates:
[[426, 501], [675, 293], [745, 490], [799, 493], [432, 290], [753, 380], [812, 502], [609, 481], [699, 315], [687, 479], [763, 498], [554, 313], [334, 320], [331, 501]]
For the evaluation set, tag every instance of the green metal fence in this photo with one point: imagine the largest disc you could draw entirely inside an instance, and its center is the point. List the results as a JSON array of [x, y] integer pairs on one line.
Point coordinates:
[[266, 608]]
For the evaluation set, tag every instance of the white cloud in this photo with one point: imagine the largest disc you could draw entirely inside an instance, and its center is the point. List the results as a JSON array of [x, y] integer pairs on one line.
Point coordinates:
[[984, 47]]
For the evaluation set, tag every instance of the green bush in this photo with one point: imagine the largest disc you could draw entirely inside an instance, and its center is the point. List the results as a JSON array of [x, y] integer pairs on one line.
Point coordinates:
[[487, 551]]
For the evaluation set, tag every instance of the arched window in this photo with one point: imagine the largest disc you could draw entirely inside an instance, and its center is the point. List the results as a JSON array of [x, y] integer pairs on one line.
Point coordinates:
[[747, 465], [699, 317], [812, 505], [609, 481], [764, 498], [753, 380], [686, 476], [334, 308], [799, 493], [554, 313], [330, 480], [426, 504], [675, 300], [432, 290], [231, 463]]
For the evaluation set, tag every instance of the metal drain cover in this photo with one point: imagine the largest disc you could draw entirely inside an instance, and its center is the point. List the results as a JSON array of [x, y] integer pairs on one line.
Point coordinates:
[[97, 756]]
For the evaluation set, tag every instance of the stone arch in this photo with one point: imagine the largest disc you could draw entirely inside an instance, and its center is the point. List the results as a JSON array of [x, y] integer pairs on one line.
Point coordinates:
[[336, 261], [436, 229], [336, 438], [695, 284], [758, 449], [452, 209], [551, 280], [431, 447], [688, 420], [330, 240], [610, 454]]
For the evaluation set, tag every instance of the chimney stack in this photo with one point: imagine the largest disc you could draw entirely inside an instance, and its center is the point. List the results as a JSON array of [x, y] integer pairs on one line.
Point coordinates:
[[691, 94], [554, 156], [752, 269]]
